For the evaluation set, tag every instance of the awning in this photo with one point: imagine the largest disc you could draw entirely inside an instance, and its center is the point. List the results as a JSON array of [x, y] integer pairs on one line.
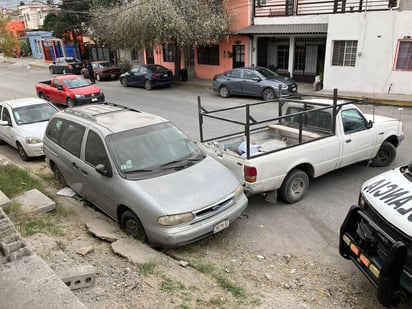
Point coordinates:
[[285, 29]]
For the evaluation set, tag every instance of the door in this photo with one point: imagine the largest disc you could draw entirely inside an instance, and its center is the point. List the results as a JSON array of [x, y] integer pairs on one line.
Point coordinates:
[[56, 92], [238, 54], [98, 188], [251, 85], [7, 132], [358, 140]]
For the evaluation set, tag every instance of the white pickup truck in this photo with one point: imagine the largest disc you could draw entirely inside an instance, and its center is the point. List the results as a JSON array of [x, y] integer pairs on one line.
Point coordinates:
[[309, 137]]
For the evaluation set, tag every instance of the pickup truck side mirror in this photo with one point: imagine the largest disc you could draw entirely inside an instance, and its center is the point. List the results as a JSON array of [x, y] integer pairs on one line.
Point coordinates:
[[59, 87], [369, 125], [4, 123]]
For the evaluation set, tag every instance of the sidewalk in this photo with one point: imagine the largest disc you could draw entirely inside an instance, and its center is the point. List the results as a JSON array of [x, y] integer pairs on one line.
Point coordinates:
[[303, 88]]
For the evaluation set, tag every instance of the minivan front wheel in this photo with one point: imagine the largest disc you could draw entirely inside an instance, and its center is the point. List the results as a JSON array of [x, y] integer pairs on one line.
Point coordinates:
[[58, 175], [131, 224]]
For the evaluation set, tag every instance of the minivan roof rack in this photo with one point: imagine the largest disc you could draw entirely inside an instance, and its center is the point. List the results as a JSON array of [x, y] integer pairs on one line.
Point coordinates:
[[91, 113]]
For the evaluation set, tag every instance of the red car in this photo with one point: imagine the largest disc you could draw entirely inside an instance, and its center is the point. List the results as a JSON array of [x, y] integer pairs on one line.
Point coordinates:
[[69, 90], [102, 70]]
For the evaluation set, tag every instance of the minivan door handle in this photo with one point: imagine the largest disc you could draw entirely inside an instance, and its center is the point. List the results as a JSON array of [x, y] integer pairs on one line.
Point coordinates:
[[84, 171], [75, 165]]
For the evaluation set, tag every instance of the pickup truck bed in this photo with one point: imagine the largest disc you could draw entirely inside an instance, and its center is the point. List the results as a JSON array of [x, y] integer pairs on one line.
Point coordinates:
[[308, 138]]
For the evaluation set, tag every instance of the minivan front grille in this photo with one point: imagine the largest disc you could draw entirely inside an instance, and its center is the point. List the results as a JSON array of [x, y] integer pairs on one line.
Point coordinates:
[[213, 210]]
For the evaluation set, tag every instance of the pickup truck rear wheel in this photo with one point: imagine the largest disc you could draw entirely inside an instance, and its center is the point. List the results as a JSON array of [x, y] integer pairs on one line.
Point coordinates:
[[224, 92], [131, 224], [294, 186], [268, 94], [386, 154]]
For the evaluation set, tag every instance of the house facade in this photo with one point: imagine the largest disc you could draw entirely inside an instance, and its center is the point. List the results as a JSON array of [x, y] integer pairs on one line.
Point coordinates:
[[352, 45]]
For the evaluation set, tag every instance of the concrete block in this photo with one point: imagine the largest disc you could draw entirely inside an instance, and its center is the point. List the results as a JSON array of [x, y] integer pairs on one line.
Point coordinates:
[[78, 277], [33, 201], [4, 200]]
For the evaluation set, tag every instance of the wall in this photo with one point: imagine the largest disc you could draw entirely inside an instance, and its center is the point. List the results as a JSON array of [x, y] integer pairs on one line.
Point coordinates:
[[377, 34]]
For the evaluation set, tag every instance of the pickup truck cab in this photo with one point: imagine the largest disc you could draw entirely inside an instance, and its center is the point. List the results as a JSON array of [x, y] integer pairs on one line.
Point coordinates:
[[377, 235], [310, 137], [69, 90]]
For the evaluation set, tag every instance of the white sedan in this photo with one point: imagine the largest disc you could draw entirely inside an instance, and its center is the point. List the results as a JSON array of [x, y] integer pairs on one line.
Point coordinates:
[[23, 123]]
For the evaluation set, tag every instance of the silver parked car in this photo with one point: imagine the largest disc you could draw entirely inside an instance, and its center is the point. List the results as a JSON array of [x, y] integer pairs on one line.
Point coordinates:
[[22, 125], [254, 82], [143, 172]]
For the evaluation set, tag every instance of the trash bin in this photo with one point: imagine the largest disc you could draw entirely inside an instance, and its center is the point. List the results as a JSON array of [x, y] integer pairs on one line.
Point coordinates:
[[183, 76]]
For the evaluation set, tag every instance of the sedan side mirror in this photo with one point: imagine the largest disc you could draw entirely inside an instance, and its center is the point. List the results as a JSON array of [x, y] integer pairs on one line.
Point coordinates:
[[256, 79]]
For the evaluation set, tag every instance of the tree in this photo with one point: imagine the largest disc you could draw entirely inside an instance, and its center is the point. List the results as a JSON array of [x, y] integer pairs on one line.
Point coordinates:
[[8, 43], [148, 23]]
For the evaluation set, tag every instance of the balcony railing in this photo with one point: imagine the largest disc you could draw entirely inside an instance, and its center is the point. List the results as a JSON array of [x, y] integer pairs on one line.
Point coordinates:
[[271, 8]]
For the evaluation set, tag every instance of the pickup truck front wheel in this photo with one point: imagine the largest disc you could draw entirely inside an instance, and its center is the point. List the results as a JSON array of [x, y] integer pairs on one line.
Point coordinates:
[[294, 186], [386, 154], [70, 103]]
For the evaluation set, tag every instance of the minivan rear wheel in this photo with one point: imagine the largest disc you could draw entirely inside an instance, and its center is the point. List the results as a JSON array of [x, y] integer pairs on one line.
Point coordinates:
[[131, 224]]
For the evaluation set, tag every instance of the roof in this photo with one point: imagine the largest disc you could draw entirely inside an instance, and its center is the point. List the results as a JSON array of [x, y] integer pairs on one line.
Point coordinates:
[[285, 29], [15, 103]]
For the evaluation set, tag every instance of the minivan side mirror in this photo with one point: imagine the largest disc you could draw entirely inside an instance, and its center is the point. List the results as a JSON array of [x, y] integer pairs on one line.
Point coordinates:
[[101, 169]]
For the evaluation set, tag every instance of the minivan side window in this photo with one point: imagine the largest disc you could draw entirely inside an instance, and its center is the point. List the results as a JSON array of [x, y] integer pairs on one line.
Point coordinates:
[[71, 136], [95, 153], [53, 129]]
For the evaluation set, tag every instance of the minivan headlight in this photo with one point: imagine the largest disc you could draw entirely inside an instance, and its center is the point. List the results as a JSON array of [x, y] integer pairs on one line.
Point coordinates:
[[238, 192], [32, 140], [175, 219]]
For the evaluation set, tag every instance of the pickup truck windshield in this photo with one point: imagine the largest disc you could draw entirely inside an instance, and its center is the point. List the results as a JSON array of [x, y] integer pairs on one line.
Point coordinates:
[[152, 148], [76, 83]]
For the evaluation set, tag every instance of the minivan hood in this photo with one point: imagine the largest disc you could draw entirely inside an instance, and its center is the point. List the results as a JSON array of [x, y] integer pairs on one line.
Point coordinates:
[[192, 188], [390, 194]]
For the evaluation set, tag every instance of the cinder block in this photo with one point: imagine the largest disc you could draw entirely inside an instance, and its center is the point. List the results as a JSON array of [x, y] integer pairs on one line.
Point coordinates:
[[4, 200], [35, 201], [78, 277]]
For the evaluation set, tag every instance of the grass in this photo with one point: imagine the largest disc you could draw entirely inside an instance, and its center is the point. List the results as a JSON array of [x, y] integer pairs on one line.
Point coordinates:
[[221, 279], [15, 180], [169, 285], [146, 268]]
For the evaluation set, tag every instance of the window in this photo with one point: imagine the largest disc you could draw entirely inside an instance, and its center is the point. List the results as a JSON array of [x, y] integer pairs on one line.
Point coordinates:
[[233, 74], [404, 56], [134, 54], [248, 74], [53, 129], [169, 52], [353, 121], [71, 136], [208, 55], [6, 115], [344, 53], [300, 54], [283, 57], [95, 153]]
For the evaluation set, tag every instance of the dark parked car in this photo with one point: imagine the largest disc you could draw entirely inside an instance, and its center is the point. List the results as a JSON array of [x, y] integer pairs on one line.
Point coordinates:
[[103, 70], [253, 81], [66, 65], [147, 76]]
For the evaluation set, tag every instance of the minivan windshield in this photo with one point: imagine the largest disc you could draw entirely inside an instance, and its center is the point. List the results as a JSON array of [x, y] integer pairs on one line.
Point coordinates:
[[156, 148]]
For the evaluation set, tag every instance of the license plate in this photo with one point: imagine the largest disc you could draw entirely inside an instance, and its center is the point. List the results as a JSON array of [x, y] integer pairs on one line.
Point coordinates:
[[165, 75], [113, 75], [221, 226], [94, 99]]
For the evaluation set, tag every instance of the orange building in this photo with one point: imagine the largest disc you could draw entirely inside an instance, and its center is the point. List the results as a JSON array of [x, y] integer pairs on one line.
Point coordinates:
[[18, 29]]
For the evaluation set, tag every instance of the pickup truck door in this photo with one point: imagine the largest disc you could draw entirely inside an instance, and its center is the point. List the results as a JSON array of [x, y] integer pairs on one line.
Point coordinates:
[[57, 94], [358, 138]]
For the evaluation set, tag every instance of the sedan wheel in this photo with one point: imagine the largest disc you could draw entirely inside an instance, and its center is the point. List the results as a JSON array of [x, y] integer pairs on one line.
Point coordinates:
[[64, 71], [123, 82], [268, 94], [98, 77], [22, 152], [131, 224], [51, 70], [224, 92], [148, 85]]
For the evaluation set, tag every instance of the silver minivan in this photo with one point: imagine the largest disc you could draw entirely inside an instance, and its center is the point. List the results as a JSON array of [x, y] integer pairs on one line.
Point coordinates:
[[144, 172]]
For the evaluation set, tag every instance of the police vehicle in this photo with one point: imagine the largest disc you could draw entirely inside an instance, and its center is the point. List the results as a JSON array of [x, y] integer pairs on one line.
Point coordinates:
[[377, 235]]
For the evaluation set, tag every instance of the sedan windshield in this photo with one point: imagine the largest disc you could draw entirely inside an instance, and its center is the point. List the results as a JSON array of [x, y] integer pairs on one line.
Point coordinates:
[[33, 113], [267, 73], [76, 83], [157, 148]]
